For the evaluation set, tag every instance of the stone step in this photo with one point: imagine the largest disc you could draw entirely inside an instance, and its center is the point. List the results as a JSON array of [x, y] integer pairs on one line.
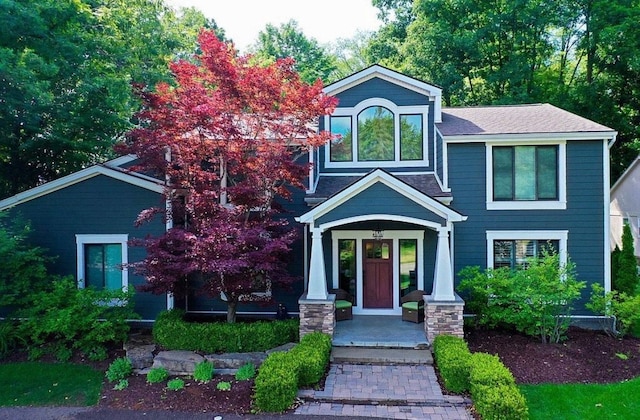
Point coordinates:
[[383, 356]]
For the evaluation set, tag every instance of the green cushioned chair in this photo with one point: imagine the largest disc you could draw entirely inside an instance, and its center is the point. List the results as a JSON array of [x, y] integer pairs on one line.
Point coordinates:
[[344, 304], [413, 306]]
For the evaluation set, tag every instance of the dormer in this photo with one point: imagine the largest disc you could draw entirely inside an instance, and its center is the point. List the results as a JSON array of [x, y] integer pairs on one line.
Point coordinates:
[[383, 120]]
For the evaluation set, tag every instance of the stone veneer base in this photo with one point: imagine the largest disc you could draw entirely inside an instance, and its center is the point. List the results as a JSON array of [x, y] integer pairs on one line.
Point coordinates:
[[317, 315], [443, 317]]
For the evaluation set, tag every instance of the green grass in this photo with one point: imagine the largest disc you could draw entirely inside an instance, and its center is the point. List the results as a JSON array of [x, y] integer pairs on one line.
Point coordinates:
[[583, 401], [49, 384]]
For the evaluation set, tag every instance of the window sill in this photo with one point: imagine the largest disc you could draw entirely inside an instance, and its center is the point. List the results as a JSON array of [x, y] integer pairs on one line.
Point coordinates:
[[526, 205]]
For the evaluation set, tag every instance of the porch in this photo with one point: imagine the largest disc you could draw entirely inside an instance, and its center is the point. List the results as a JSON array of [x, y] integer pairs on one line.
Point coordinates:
[[379, 331]]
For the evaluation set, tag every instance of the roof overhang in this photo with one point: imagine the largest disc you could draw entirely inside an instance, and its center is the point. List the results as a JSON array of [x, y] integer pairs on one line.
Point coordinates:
[[77, 177], [381, 176], [510, 137]]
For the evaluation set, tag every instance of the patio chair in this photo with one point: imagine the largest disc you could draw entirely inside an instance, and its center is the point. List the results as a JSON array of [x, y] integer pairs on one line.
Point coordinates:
[[344, 304], [413, 306]]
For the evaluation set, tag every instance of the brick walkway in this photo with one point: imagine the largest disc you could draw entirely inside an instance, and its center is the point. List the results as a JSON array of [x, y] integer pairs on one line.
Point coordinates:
[[383, 391]]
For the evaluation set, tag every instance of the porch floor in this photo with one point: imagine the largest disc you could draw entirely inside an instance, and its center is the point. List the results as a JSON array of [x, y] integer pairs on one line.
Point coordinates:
[[379, 331]]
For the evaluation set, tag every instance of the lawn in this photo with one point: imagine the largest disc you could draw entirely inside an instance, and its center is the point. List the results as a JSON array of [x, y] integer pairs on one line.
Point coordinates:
[[49, 384], [583, 401]]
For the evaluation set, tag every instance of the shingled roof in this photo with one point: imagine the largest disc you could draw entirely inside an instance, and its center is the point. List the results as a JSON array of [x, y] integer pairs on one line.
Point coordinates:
[[515, 119]]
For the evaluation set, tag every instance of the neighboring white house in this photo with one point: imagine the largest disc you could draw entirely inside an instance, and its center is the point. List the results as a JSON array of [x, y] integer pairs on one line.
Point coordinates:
[[625, 206]]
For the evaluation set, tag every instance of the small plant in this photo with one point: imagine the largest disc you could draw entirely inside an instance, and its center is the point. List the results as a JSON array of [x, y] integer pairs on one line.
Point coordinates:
[[622, 356], [122, 384], [224, 386], [119, 369], [175, 384], [246, 372], [156, 375], [203, 371]]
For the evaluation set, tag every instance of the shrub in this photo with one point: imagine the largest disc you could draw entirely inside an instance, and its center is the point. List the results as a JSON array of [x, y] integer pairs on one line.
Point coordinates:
[[312, 356], [625, 308], [276, 385], [9, 337], [493, 389], [246, 372], [536, 301], [122, 384], [453, 359], [119, 369], [175, 384], [157, 375], [173, 333], [223, 386], [203, 371], [626, 273], [83, 319]]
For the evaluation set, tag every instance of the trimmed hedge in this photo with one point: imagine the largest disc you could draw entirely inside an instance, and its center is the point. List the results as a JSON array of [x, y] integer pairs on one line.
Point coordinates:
[[453, 358], [282, 374], [493, 388], [172, 332]]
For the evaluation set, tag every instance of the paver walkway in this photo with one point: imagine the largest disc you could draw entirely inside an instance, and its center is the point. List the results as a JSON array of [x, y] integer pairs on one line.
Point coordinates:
[[383, 391]]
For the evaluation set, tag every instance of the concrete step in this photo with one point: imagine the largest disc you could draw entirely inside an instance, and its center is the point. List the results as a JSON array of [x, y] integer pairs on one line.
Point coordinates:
[[383, 356]]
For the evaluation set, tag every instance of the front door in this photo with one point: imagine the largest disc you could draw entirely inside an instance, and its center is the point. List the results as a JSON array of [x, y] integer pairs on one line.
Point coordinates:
[[377, 281]]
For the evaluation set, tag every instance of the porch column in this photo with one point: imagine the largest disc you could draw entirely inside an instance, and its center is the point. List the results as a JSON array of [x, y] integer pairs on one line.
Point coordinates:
[[317, 288], [443, 275]]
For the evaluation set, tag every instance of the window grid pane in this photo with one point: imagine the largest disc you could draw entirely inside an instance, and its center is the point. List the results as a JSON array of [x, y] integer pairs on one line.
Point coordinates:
[[376, 134], [502, 173], [525, 173], [411, 137], [408, 266], [340, 149], [347, 271], [515, 254]]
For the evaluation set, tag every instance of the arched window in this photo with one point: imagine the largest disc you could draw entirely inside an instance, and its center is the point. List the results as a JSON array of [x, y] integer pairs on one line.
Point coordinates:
[[376, 134]]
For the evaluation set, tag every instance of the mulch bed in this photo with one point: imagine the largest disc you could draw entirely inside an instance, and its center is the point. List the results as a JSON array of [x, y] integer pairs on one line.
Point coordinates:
[[586, 357]]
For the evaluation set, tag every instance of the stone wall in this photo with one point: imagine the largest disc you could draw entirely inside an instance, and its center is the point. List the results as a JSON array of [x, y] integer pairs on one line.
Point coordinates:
[[317, 315], [443, 317]]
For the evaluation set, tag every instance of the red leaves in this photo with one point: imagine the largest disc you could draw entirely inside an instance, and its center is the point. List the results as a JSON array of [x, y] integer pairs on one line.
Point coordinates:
[[234, 131]]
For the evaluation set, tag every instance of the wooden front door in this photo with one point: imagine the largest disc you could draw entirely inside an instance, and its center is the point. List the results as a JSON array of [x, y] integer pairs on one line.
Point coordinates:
[[377, 282]]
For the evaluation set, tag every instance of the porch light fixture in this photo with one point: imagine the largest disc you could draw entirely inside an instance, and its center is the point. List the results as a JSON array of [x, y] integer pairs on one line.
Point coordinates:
[[378, 234]]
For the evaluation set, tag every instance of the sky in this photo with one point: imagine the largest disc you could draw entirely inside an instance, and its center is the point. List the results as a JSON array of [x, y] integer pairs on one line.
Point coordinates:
[[326, 21]]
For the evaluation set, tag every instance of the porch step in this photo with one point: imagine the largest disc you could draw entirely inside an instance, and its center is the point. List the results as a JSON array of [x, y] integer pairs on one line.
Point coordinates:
[[381, 356]]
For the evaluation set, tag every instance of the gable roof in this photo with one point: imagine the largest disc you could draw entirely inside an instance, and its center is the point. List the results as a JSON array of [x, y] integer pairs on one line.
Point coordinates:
[[534, 119], [634, 165], [381, 176], [80, 176], [432, 91]]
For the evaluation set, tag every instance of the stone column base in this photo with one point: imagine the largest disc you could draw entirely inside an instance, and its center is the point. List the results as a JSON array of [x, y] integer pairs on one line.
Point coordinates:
[[443, 317], [317, 315]]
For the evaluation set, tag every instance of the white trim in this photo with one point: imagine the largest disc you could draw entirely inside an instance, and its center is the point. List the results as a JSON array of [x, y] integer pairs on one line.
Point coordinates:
[[83, 239], [78, 177], [530, 137], [397, 111], [433, 92], [387, 217], [559, 204], [395, 236], [559, 235], [606, 179], [445, 162], [119, 161], [393, 183]]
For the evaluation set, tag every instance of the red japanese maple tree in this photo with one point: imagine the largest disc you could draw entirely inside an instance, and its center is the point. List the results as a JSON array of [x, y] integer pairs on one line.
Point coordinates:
[[227, 136]]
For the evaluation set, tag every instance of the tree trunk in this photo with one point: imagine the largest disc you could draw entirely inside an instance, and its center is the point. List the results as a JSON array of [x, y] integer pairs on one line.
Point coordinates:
[[231, 311]]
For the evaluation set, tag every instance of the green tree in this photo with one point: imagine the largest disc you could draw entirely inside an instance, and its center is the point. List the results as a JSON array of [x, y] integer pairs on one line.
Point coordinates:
[[350, 55], [626, 280], [313, 62], [66, 69]]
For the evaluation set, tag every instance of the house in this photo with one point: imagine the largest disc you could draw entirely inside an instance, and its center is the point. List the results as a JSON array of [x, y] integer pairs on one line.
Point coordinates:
[[625, 207], [408, 194]]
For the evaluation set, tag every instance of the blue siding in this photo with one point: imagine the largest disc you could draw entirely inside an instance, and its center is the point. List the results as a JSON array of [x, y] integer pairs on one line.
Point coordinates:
[[583, 218], [100, 205], [439, 157], [379, 199]]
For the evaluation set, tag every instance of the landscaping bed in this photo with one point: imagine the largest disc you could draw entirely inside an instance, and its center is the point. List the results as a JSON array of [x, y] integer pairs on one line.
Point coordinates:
[[586, 357]]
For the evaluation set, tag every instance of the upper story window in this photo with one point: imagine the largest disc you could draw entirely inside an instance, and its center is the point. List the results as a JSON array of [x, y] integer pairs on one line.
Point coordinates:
[[378, 133], [521, 177]]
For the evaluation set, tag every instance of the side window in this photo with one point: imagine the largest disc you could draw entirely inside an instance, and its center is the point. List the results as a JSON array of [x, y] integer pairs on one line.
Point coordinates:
[[102, 261], [341, 148], [525, 173], [411, 134]]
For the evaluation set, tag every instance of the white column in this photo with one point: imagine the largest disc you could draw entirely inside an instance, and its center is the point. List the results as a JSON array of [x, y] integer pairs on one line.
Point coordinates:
[[443, 274], [317, 277]]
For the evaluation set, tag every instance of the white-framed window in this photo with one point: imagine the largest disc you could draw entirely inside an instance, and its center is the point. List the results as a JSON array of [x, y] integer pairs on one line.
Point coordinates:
[[376, 132], [511, 248], [102, 261], [526, 176]]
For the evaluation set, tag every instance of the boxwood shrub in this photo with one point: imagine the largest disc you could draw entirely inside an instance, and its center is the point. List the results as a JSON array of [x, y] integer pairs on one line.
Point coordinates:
[[453, 358], [281, 374], [172, 332]]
